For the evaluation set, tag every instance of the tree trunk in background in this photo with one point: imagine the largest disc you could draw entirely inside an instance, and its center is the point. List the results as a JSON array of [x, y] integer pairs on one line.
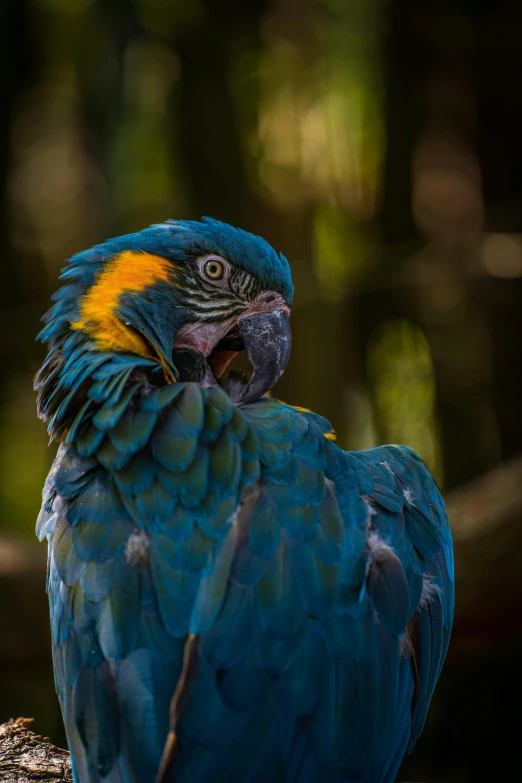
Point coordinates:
[[430, 100], [498, 65], [209, 126], [16, 68], [22, 279], [103, 104]]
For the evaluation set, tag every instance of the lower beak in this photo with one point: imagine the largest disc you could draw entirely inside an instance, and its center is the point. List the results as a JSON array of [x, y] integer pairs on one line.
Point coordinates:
[[268, 340]]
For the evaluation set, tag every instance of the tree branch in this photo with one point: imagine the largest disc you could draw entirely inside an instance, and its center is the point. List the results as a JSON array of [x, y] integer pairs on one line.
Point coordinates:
[[25, 757]]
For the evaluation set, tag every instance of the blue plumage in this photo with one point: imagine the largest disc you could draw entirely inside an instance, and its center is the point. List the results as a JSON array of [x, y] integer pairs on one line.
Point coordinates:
[[293, 601]]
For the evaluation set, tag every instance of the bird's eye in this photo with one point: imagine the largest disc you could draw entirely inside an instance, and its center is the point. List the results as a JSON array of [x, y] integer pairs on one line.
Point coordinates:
[[214, 269]]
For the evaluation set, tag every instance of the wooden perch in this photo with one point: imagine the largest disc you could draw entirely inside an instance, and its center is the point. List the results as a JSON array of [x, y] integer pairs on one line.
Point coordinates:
[[26, 757]]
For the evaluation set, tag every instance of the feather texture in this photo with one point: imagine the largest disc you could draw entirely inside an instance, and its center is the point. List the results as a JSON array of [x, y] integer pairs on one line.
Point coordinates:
[[299, 592]]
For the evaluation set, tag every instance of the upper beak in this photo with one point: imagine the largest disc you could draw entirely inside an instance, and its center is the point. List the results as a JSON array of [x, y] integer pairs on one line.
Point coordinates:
[[268, 340]]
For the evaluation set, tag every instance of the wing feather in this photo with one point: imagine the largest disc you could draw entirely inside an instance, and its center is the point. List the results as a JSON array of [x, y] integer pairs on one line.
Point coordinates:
[[309, 594]]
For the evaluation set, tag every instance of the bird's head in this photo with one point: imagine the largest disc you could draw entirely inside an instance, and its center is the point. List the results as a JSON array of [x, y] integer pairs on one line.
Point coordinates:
[[174, 302]]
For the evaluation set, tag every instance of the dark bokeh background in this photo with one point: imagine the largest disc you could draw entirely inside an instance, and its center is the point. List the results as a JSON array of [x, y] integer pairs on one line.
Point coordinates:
[[378, 144]]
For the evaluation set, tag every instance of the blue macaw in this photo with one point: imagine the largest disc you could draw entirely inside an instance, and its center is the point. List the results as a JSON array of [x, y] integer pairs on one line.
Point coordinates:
[[233, 597]]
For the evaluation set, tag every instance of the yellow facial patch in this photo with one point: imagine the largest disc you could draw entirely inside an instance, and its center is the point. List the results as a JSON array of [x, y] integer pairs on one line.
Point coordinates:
[[128, 272]]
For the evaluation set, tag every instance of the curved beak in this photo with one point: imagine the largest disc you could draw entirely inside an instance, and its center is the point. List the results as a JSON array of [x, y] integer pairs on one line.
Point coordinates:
[[267, 340]]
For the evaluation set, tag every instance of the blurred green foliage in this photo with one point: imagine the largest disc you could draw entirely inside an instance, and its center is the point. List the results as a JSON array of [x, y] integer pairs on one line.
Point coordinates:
[[402, 379], [24, 457]]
